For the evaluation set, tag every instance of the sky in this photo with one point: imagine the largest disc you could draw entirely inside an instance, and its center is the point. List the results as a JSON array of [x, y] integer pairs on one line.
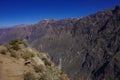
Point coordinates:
[[14, 12]]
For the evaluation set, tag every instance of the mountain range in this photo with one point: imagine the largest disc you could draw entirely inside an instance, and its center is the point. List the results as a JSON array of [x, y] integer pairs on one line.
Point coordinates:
[[88, 47]]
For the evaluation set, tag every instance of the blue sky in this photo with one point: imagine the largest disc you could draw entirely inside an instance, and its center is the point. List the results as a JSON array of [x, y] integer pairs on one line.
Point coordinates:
[[13, 12]]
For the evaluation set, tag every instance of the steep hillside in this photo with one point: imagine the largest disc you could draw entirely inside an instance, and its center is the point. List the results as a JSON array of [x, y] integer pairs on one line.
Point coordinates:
[[19, 62], [88, 48]]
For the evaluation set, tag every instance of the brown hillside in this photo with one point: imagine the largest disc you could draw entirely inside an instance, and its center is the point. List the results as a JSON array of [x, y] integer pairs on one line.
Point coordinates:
[[19, 62]]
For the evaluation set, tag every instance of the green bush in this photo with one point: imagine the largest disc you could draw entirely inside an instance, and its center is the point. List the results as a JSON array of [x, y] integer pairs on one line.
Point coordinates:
[[29, 76], [28, 55], [15, 43], [47, 63], [15, 47]]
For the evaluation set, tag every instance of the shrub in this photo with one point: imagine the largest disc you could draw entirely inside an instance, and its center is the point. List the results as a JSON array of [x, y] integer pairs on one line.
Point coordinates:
[[25, 43], [16, 41], [29, 76], [47, 63], [15, 47], [39, 68], [15, 44], [28, 55], [44, 77]]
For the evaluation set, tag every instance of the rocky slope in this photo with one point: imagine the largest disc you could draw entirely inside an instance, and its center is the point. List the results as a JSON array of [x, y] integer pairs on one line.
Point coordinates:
[[33, 32], [88, 48], [19, 62]]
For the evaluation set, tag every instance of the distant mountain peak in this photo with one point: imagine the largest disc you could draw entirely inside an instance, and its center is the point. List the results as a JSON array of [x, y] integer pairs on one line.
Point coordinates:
[[20, 25], [45, 21]]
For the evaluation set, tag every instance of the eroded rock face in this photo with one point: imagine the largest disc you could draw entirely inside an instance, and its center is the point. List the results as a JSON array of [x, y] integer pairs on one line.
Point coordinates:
[[88, 47]]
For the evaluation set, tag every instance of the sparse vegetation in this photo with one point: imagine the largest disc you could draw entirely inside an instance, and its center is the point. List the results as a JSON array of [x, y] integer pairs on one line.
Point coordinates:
[[44, 77], [25, 43], [29, 76], [15, 44], [28, 55], [46, 61], [46, 71], [39, 68]]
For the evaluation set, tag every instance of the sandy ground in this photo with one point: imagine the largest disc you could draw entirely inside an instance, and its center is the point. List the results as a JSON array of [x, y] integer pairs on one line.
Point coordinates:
[[10, 68]]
